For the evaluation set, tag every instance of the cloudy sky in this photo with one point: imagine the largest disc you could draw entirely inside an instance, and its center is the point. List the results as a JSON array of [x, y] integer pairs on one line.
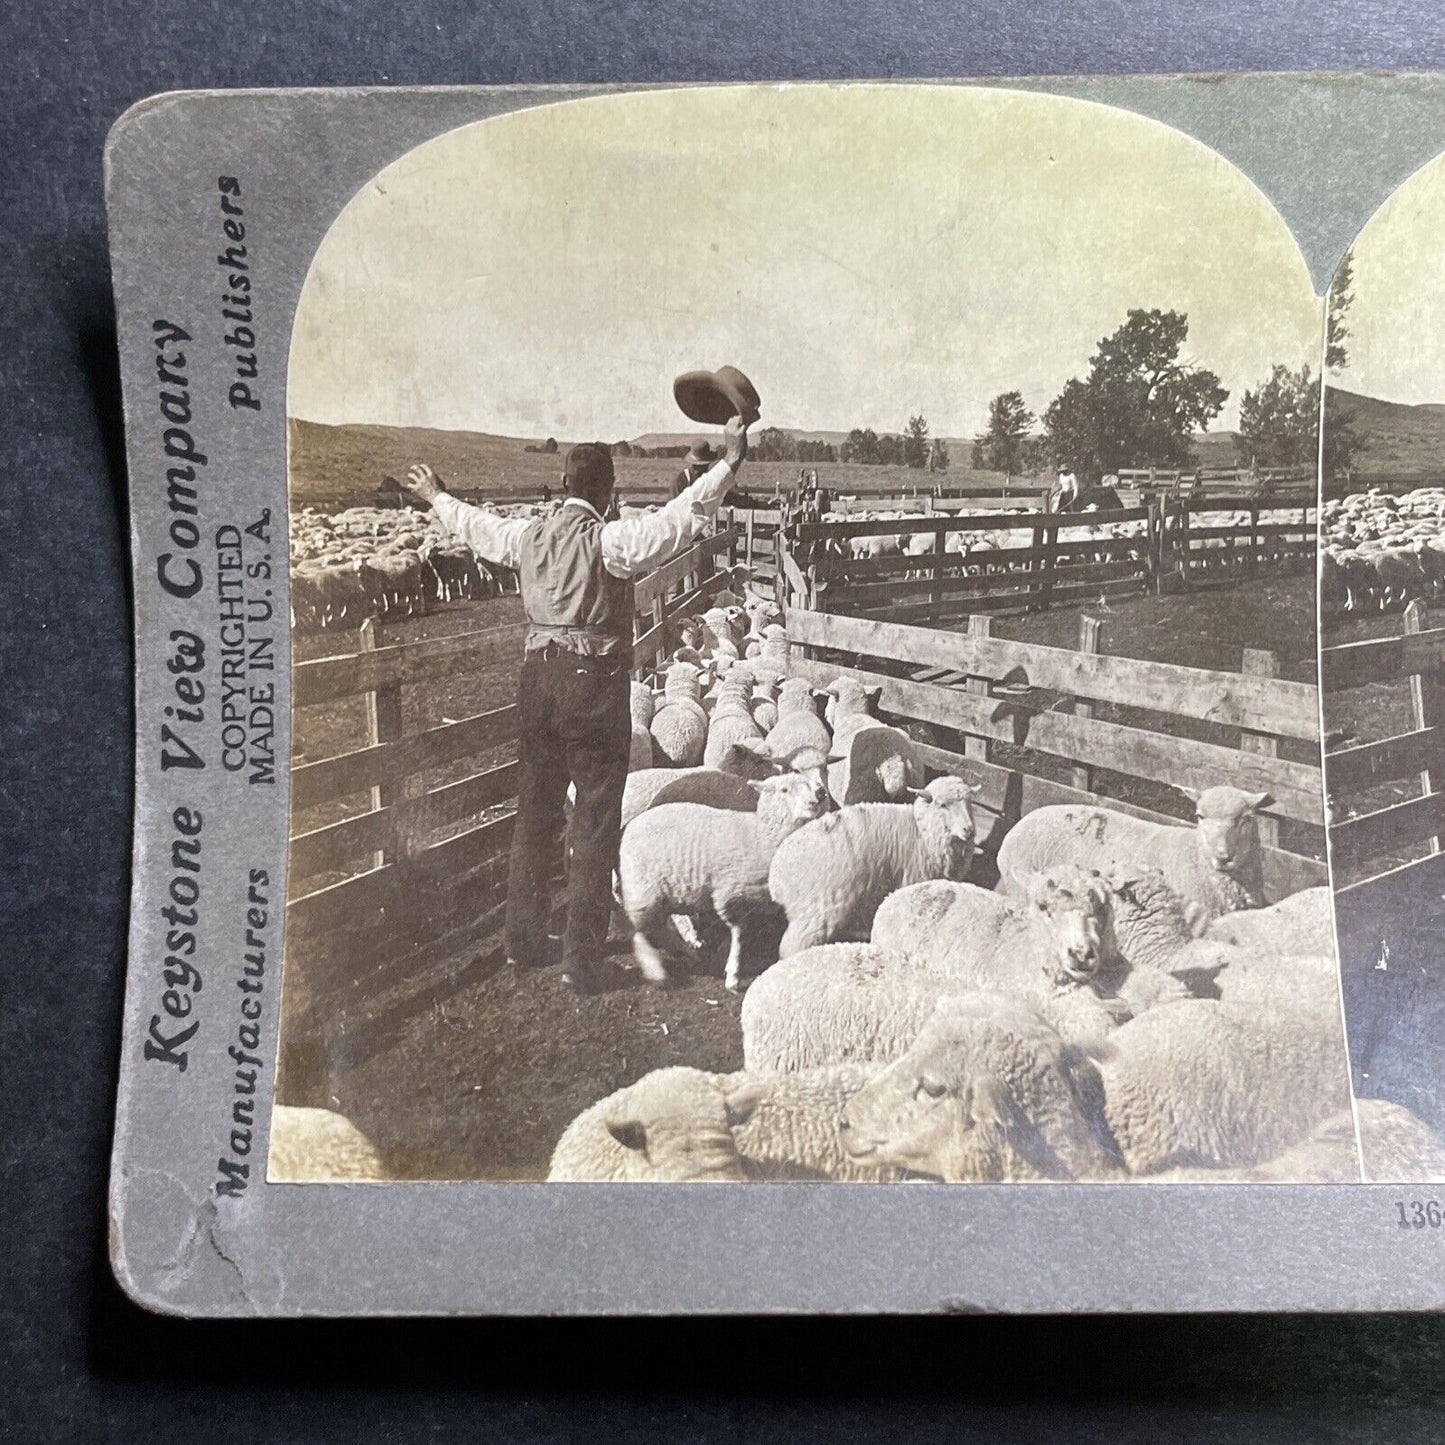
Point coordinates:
[[1397, 320], [862, 252]]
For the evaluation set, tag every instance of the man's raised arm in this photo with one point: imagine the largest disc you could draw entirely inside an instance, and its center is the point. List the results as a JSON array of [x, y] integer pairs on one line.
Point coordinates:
[[639, 543], [493, 538]]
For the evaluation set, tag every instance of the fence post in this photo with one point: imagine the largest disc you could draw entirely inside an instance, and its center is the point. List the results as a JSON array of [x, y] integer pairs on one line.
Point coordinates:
[[1091, 640], [976, 747], [1260, 663], [1427, 703], [935, 601], [383, 725]]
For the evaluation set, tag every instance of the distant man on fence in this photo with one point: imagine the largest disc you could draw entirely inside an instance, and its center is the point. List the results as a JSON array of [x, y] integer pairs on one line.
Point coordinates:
[[574, 722], [695, 464]]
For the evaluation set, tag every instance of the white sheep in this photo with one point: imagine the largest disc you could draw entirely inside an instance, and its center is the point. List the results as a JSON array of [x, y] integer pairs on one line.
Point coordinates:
[[798, 724], [317, 1145], [1301, 923], [1061, 936], [763, 704], [1215, 866], [830, 876], [1398, 1146], [988, 1092], [732, 719], [641, 705], [681, 1125], [875, 763], [685, 858], [1218, 1085], [679, 726]]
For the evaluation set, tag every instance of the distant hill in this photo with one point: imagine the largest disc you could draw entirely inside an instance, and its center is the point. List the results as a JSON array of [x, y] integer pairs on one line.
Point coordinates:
[[799, 434], [1395, 439]]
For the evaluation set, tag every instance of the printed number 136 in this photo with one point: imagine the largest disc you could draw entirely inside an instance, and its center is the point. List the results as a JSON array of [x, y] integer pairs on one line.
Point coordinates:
[[1420, 1214]]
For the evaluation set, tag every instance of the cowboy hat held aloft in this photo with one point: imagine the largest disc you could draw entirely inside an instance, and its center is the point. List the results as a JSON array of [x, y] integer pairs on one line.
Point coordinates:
[[714, 397]]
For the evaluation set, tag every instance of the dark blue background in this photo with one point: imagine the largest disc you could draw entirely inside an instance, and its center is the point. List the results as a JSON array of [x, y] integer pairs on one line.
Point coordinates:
[[76, 1360]]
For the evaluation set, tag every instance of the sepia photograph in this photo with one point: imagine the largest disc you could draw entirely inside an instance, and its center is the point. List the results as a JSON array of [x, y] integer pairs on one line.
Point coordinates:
[[1382, 630], [804, 655]]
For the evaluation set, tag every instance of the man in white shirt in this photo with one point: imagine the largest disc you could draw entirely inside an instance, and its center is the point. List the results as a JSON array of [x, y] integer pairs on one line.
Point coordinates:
[[574, 723]]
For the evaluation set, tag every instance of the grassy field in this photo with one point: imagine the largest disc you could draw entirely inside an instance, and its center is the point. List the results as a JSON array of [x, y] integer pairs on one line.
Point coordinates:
[[1394, 440], [342, 466]]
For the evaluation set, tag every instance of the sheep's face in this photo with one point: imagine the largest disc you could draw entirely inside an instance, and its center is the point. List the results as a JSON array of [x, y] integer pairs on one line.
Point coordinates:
[[931, 1115], [677, 1126], [791, 799], [1078, 911], [948, 798], [1227, 826]]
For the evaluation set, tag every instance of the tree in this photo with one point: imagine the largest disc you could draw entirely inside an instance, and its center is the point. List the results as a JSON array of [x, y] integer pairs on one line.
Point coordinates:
[[861, 446], [1341, 296], [915, 442], [1001, 447], [1279, 421], [773, 444], [1139, 405], [550, 446], [938, 455]]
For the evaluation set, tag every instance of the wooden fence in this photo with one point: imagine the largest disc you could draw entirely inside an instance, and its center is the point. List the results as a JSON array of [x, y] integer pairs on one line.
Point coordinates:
[[1208, 482], [1025, 722], [1170, 542], [419, 858], [678, 588], [1364, 829]]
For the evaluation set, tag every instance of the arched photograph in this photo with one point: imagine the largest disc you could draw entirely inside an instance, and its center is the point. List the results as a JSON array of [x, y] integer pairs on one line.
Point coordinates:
[[1382, 574], [804, 655]]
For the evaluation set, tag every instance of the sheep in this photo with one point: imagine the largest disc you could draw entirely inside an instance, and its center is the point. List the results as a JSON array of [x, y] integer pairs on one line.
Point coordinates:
[[1211, 1084], [837, 1003], [715, 787], [683, 1125], [1216, 866], [672, 1124], [988, 1092], [763, 704], [685, 858], [679, 726], [318, 1145], [875, 764], [1396, 1146], [1061, 937], [1329, 1155], [731, 720], [1303, 922], [641, 705], [798, 723], [830, 876], [1259, 980]]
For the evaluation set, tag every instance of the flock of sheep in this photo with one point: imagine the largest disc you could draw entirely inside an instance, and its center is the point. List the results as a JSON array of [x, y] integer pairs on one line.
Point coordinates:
[[384, 562], [1125, 1004], [1380, 551]]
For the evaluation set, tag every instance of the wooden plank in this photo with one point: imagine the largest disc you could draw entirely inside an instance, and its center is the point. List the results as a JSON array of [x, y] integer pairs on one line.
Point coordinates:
[[330, 779], [1178, 762], [1404, 879], [324, 679], [338, 846], [1352, 770], [1354, 840], [980, 522], [1091, 641], [1285, 709], [661, 578], [383, 725], [1260, 663], [979, 627], [1427, 704], [1385, 659]]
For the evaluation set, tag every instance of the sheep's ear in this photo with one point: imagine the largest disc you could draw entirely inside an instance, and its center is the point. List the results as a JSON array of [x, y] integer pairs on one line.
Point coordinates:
[[743, 1101], [629, 1133], [1257, 801], [755, 784], [873, 693]]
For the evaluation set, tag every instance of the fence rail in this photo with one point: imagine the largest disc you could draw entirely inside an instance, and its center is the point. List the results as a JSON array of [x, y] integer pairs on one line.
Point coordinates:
[[1002, 704], [1368, 837]]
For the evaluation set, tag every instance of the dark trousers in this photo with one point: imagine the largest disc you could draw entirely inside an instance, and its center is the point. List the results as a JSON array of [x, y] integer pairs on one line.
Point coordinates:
[[574, 727]]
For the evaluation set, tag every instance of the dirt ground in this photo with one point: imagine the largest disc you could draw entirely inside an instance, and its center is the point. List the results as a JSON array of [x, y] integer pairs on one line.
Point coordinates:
[[481, 1084]]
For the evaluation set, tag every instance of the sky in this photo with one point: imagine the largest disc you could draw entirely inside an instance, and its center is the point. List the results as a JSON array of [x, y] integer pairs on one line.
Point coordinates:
[[862, 252], [1397, 318]]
